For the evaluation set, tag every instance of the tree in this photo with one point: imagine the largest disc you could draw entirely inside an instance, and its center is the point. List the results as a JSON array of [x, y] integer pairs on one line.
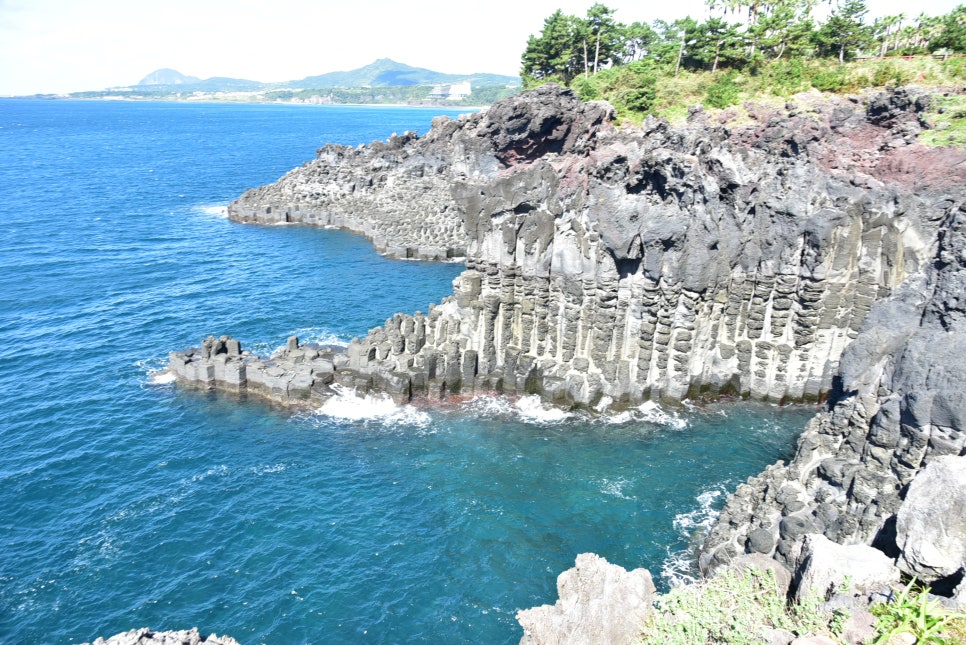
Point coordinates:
[[844, 32], [784, 27], [639, 39], [552, 55], [603, 34], [953, 36], [718, 43]]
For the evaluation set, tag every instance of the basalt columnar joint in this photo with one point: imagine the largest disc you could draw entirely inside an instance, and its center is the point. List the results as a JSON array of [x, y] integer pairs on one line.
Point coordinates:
[[667, 262], [808, 252], [633, 263]]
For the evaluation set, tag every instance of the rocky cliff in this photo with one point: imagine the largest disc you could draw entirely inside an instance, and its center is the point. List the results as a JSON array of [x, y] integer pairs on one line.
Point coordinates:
[[898, 405], [789, 254], [635, 263]]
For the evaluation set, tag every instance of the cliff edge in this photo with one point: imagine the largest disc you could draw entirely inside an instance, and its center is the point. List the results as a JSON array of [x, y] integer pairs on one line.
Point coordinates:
[[806, 253]]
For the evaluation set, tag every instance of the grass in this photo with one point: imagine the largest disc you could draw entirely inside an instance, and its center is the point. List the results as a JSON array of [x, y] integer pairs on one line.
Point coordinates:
[[741, 608], [947, 121], [912, 612], [775, 81], [734, 608]]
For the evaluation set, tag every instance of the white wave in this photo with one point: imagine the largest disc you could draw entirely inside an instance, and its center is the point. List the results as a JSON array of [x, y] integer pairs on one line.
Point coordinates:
[[156, 370], [650, 411], [349, 406], [532, 408], [692, 526], [268, 470], [678, 569], [320, 336], [615, 488], [701, 518], [489, 406], [215, 210], [163, 377]]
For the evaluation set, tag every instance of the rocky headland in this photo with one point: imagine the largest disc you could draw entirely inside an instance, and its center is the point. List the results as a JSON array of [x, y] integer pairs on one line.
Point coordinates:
[[810, 252]]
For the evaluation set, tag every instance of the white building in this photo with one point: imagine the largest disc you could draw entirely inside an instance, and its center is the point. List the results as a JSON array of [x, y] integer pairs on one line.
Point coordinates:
[[455, 92]]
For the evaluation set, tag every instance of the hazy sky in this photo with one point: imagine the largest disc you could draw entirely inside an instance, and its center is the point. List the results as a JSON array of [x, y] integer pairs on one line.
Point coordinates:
[[49, 46]]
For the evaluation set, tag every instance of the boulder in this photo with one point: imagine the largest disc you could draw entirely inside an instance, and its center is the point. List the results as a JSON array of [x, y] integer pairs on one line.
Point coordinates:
[[931, 523], [599, 603], [825, 568]]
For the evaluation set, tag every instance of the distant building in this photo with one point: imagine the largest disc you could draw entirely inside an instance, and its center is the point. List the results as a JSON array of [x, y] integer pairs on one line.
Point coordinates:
[[455, 92]]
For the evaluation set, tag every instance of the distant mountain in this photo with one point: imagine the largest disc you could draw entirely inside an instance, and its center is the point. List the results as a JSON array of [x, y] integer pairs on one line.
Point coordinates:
[[382, 73], [173, 80], [388, 73], [168, 77]]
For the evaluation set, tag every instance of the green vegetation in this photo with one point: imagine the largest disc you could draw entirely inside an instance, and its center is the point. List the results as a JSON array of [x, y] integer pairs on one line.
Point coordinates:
[[947, 121], [774, 49], [410, 94], [736, 608], [742, 608], [912, 612]]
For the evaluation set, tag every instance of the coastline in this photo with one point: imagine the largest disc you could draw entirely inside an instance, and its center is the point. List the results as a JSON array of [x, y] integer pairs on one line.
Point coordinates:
[[738, 282]]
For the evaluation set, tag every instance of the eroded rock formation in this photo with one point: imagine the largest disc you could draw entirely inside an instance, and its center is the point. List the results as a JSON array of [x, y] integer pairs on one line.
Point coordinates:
[[637, 263], [812, 252]]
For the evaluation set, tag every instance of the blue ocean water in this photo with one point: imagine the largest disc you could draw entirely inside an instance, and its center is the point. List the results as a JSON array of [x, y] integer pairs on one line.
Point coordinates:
[[125, 502]]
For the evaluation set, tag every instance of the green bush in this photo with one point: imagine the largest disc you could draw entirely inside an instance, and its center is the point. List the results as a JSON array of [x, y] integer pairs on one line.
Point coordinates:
[[889, 74], [788, 77], [955, 67], [585, 89], [831, 80], [641, 99], [912, 613], [733, 608], [724, 92]]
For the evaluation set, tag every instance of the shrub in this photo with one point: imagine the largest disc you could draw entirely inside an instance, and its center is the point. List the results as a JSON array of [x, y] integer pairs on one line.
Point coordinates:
[[641, 99], [788, 77], [585, 88], [724, 92], [955, 67], [912, 613], [831, 80], [889, 74]]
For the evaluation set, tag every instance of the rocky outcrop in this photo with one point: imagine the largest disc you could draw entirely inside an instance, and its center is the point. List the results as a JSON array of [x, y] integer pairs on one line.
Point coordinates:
[[825, 568], [898, 407], [598, 602], [814, 252], [399, 193], [931, 523], [145, 636], [295, 375], [633, 263]]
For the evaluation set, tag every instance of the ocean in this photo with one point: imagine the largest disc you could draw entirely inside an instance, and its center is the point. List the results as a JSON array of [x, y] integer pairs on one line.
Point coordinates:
[[127, 502]]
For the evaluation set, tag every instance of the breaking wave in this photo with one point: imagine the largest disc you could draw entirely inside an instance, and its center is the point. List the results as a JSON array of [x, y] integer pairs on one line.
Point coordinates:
[[347, 405]]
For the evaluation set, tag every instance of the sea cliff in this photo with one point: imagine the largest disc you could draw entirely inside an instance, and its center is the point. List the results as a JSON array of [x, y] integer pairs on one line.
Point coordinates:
[[808, 252]]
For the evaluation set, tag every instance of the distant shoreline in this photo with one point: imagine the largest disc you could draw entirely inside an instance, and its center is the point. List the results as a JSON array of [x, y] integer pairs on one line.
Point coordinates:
[[215, 101]]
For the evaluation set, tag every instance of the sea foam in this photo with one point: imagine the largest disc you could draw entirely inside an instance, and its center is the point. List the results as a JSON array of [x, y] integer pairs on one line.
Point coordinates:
[[691, 526], [347, 405]]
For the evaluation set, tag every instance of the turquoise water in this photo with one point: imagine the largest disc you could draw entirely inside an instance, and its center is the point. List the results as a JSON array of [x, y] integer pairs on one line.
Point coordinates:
[[126, 502]]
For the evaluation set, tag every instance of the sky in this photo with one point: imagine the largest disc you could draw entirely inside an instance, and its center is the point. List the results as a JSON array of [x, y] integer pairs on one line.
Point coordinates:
[[60, 46]]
